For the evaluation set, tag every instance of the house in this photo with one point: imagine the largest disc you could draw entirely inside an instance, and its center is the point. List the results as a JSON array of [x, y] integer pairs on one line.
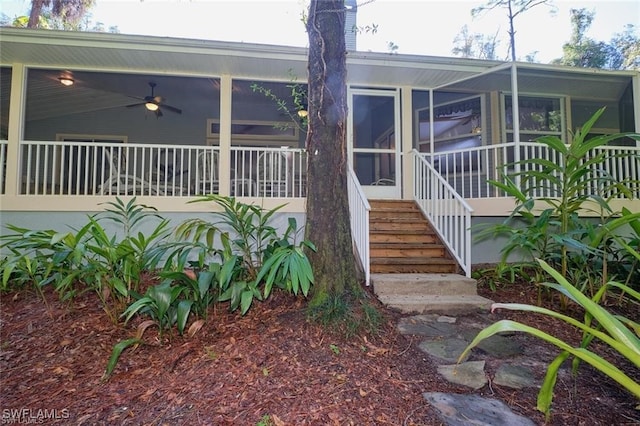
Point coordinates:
[[88, 116]]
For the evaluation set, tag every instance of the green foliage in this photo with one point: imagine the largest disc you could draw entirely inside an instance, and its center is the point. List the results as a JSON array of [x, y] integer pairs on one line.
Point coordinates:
[[118, 348], [162, 303], [44, 257], [296, 107], [245, 255], [619, 333], [622, 52], [335, 349], [550, 227], [344, 314], [86, 258]]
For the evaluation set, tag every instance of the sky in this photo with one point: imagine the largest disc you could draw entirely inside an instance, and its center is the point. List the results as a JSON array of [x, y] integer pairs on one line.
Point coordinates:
[[423, 27]]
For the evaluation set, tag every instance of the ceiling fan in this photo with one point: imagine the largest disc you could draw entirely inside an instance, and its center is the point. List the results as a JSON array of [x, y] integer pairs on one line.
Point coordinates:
[[154, 103]]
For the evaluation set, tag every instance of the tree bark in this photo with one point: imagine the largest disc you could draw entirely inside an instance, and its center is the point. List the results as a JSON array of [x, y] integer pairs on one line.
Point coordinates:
[[328, 221], [34, 14]]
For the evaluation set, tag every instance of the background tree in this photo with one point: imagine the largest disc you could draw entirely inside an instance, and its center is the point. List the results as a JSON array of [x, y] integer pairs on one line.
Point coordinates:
[[623, 52], [476, 45], [625, 49], [328, 221], [68, 11], [582, 51], [514, 9]]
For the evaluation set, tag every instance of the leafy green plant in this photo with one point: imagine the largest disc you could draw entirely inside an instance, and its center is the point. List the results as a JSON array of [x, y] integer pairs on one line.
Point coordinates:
[[86, 258], [125, 257], [335, 349], [619, 333], [250, 256], [549, 227], [118, 348], [198, 287], [44, 257], [161, 302]]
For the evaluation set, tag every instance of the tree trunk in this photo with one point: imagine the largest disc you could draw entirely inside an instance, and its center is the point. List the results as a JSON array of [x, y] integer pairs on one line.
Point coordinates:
[[328, 221], [34, 14]]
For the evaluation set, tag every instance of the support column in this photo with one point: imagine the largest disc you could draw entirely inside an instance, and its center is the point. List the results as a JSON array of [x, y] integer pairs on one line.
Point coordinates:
[[16, 128], [407, 143], [515, 111], [226, 94]]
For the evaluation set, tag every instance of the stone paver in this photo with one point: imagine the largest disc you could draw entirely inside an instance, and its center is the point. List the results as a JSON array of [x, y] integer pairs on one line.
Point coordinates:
[[470, 374], [514, 376], [448, 350], [466, 410], [444, 338]]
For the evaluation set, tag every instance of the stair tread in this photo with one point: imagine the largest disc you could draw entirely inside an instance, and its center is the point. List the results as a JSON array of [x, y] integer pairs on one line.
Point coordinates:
[[402, 245], [428, 231], [412, 261]]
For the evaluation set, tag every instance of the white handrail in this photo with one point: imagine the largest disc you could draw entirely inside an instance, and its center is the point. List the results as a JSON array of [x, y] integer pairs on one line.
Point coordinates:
[[448, 212], [359, 209]]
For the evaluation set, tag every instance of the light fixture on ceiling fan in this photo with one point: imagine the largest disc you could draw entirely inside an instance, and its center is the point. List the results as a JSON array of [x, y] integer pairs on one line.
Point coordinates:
[[66, 80], [154, 103]]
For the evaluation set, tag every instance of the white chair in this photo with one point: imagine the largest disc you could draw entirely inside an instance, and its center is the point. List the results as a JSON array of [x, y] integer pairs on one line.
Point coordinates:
[[384, 182], [273, 174], [118, 181], [207, 181]]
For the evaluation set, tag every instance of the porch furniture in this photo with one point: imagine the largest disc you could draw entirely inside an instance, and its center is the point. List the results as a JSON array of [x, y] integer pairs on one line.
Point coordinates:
[[384, 182], [171, 171], [273, 174], [207, 181], [118, 181], [243, 187]]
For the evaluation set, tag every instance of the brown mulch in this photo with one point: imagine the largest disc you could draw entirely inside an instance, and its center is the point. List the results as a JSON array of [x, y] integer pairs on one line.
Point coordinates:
[[272, 362]]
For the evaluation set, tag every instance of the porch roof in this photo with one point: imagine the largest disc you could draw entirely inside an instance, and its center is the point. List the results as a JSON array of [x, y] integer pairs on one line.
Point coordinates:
[[190, 57]]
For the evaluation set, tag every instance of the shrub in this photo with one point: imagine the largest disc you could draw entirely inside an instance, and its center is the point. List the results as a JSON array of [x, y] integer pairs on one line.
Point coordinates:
[[575, 183], [250, 256], [619, 333]]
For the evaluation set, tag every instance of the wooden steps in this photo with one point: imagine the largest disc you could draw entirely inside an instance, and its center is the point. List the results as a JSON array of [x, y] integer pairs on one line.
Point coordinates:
[[403, 241]]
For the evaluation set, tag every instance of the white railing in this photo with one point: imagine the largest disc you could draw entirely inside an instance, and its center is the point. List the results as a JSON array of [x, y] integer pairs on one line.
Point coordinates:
[[359, 209], [469, 170], [93, 168], [449, 214]]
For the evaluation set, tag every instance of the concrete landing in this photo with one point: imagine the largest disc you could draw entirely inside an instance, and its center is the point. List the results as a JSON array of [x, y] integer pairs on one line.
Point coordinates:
[[429, 293]]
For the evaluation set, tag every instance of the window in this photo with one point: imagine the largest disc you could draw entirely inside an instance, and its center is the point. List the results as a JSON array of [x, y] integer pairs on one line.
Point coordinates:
[[457, 127], [539, 116]]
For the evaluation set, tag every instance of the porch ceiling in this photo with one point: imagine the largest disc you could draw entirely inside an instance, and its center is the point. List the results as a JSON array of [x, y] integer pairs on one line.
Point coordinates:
[[550, 80]]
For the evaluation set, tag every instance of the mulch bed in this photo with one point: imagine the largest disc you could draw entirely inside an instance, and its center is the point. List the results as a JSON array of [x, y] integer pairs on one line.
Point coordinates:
[[238, 370]]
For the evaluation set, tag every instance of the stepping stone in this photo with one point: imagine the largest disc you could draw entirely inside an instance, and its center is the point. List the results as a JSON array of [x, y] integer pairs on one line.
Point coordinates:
[[423, 325], [514, 376], [448, 349], [470, 374], [496, 346], [465, 410], [446, 319]]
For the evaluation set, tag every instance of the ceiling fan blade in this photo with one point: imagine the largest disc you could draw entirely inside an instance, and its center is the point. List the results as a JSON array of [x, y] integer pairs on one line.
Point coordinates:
[[172, 108], [159, 113], [135, 105]]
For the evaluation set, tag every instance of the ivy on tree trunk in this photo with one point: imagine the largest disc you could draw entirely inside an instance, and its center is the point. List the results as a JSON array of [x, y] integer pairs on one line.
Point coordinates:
[[328, 222]]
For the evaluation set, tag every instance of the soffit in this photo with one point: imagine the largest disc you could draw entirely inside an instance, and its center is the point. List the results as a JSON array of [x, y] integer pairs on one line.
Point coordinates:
[[158, 55], [588, 84]]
